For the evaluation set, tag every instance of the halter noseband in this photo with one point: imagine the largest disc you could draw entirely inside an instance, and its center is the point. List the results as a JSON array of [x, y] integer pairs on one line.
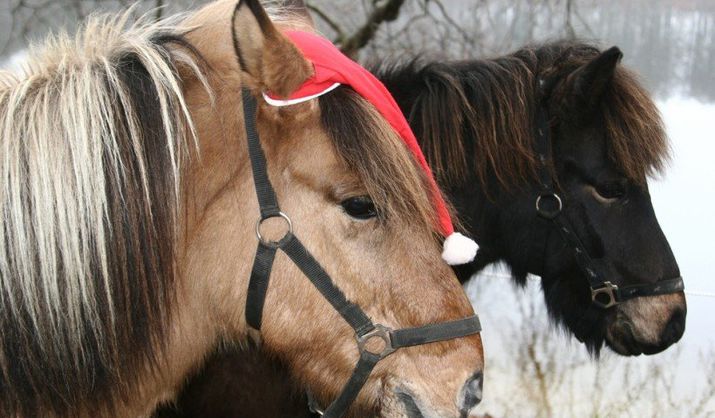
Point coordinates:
[[365, 329], [549, 205]]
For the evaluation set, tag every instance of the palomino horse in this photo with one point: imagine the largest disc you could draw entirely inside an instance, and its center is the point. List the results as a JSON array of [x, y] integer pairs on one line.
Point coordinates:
[[478, 123], [129, 226]]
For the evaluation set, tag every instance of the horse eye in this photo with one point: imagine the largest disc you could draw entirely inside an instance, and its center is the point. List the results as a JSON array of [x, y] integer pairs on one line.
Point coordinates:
[[611, 190], [359, 207]]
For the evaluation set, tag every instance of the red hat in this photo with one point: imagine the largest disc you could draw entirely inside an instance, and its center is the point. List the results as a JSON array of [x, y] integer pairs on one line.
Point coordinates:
[[333, 68]]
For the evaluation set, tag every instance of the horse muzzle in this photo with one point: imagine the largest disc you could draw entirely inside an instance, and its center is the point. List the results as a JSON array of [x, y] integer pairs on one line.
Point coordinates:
[[647, 325]]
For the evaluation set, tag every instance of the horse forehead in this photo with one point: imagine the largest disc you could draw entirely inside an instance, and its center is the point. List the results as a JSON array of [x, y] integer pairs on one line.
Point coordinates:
[[584, 144], [307, 154]]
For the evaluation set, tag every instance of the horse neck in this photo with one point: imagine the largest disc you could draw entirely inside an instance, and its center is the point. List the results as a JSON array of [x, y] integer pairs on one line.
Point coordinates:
[[190, 339]]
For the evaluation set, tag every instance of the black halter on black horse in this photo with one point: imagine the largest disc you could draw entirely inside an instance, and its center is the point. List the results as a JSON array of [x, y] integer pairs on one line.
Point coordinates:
[[553, 205]]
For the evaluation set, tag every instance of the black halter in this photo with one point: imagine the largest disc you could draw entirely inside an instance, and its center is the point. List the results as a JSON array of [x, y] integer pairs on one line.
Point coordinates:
[[549, 205], [365, 329]]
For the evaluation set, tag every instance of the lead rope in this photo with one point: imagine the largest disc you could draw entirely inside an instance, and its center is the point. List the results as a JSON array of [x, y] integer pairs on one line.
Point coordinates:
[[364, 328]]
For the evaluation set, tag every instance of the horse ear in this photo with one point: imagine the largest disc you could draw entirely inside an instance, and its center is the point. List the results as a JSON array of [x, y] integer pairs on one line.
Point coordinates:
[[588, 83], [264, 52]]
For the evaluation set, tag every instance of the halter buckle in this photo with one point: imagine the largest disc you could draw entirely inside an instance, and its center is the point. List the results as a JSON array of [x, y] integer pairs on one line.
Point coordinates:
[[380, 332], [280, 242], [606, 296], [546, 212]]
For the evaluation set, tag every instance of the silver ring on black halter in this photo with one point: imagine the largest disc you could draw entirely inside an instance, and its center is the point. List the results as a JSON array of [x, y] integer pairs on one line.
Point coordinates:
[[548, 214], [605, 296], [280, 242], [382, 333]]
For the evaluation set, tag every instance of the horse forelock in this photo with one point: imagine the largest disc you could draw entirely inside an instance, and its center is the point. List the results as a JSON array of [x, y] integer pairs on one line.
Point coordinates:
[[636, 138], [477, 117], [369, 146], [94, 132]]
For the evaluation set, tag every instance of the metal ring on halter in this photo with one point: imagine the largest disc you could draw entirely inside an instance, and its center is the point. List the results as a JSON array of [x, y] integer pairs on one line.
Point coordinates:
[[609, 291], [549, 214], [381, 332], [280, 242]]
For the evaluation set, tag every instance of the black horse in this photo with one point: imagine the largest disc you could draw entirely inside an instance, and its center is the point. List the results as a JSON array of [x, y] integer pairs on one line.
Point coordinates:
[[478, 122]]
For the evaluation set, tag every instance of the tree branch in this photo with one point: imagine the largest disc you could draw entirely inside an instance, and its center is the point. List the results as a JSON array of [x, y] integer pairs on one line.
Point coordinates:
[[385, 13]]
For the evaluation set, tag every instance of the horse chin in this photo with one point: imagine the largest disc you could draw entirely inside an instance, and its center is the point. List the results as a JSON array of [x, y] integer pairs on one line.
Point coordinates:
[[594, 342], [615, 331], [568, 311]]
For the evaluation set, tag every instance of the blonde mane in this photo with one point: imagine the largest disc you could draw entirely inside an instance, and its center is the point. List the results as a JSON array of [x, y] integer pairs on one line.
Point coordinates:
[[93, 134]]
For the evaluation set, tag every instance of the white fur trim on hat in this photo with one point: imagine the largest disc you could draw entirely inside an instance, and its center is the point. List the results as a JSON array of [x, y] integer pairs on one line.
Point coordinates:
[[290, 102], [459, 249]]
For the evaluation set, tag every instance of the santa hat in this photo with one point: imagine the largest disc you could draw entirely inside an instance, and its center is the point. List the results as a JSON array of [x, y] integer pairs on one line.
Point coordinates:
[[331, 69]]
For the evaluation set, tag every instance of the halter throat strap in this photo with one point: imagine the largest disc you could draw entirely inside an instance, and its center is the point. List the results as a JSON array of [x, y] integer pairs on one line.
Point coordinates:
[[365, 330], [551, 206]]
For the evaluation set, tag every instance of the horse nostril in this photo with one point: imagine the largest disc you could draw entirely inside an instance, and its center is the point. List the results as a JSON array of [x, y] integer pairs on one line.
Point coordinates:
[[471, 393], [675, 328]]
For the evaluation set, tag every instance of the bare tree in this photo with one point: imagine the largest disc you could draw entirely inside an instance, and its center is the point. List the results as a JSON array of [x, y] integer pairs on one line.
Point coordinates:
[[351, 43]]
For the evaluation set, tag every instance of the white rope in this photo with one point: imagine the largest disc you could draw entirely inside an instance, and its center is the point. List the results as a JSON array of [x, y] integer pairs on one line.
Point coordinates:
[[703, 294], [536, 278]]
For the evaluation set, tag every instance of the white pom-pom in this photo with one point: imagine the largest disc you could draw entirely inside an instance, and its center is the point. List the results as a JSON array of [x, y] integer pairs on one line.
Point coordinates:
[[459, 249]]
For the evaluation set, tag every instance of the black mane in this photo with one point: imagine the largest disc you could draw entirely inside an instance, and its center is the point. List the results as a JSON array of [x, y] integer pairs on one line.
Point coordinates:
[[477, 116]]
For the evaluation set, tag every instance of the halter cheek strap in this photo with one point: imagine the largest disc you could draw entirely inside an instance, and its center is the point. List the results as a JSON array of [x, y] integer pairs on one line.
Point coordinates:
[[550, 206], [365, 329]]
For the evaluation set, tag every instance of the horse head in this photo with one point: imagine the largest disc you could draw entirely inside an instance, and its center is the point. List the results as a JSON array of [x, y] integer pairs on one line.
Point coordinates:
[[608, 138]]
